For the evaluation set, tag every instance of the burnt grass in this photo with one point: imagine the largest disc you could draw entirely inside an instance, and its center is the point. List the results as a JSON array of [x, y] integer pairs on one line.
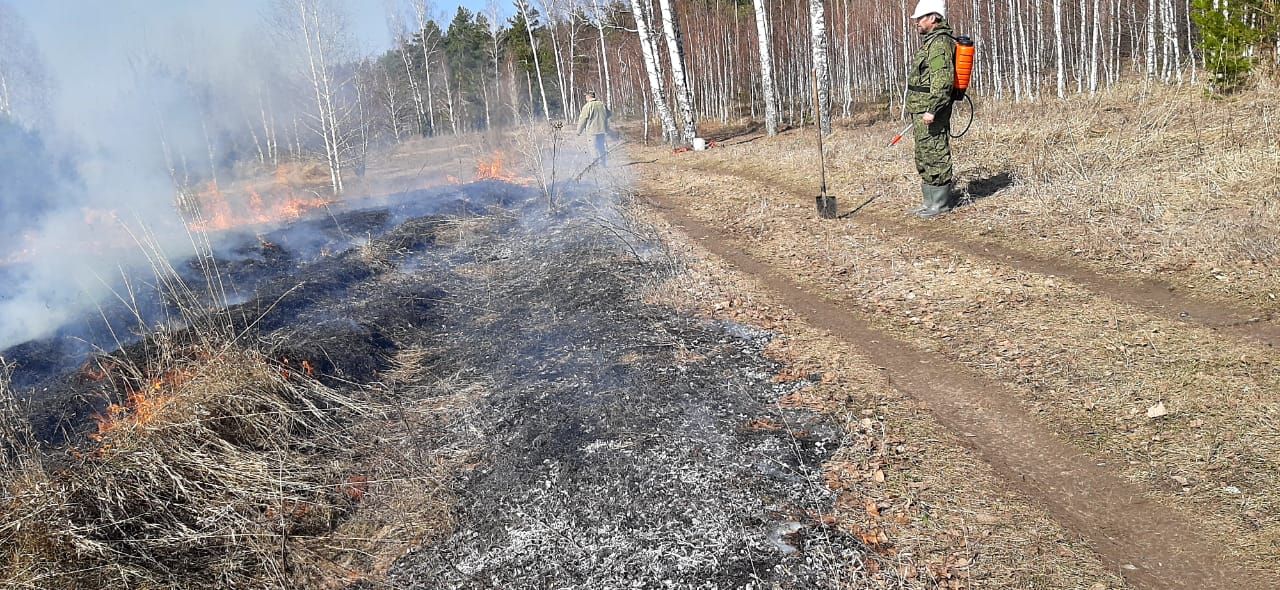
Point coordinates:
[[619, 445], [313, 291], [616, 448]]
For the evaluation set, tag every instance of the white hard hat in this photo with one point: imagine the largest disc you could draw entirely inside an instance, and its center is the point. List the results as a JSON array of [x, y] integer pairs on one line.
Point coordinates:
[[927, 7]]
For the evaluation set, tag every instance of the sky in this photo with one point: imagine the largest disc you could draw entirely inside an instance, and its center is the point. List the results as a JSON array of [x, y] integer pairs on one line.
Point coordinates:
[[88, 44], [82, 20]]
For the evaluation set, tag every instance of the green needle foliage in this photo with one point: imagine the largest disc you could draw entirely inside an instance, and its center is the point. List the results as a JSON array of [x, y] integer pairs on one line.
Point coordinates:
[[1236, 36]]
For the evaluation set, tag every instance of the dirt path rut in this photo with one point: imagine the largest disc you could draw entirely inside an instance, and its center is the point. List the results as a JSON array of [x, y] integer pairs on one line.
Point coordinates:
[[1158, 298], [1152, 545]]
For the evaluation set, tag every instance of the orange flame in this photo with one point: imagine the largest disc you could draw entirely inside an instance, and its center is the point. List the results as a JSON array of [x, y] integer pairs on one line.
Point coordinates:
[[255, 208], [493, 169], [96, 373], [141, 407]]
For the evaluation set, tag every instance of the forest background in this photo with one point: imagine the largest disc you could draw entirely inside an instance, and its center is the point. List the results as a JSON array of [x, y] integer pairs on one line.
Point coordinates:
[[308, 93]]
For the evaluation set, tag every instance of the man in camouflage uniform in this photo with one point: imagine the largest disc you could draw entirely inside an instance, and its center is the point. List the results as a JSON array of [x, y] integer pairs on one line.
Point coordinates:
[[929, 102]]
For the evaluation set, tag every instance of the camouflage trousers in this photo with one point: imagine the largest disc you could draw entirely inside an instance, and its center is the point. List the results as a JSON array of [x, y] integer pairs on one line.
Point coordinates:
[[933, 148]]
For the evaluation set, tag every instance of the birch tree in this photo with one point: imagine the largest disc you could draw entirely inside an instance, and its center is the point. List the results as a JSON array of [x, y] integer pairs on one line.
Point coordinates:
[[821, 77], [523, 7], [765, 39], [318, 29], [653, 67], [551, 12], [598, 19], [1094, 55], [1060, 46], [429, 40], [675, 48], [496, 40], [400, 33], [1151, 38]]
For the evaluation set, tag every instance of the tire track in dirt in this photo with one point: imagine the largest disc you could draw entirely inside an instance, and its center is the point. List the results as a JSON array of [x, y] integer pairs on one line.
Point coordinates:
[[1155, 297], [1151, 545]]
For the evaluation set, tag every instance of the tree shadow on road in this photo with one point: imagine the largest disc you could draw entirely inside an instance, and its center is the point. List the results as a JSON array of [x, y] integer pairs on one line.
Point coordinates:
[[728, 134]]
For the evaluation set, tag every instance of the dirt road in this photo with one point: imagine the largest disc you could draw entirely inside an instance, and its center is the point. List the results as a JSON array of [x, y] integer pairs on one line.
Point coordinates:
[[1155, 296], [1153, 540]]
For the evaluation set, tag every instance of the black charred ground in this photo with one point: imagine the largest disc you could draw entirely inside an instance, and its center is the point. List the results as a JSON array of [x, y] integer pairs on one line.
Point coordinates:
[[615, 448]]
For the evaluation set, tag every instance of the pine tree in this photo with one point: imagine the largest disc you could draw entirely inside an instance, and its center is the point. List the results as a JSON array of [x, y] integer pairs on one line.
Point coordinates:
[[1232, 37]]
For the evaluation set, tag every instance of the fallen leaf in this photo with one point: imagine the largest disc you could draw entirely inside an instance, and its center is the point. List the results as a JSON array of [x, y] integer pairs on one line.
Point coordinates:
[[878, 476], [1157, 410]]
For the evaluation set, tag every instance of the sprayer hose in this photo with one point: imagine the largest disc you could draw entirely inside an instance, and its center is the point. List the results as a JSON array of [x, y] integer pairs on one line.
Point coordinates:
[[969, 124]]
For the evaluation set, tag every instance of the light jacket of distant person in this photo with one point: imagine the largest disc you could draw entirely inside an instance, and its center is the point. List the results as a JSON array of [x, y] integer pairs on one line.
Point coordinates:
[[594, 118]]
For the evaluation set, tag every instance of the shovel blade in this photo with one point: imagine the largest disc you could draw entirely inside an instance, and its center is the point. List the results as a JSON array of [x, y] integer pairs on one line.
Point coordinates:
[[826, 206]]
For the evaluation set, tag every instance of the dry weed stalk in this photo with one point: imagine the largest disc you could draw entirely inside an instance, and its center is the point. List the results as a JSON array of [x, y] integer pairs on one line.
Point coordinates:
[[540, 147]]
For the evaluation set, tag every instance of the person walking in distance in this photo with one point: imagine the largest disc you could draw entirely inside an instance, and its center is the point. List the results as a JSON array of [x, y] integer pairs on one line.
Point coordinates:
[[929, 103], [594, 120]]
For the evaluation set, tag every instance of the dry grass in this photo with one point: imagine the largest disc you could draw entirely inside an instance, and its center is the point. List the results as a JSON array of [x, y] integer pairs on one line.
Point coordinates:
[[199, 478], [227, 469], [1147, 180], [930, 512], [1137, 182], [1164, 179], [1088, 367]]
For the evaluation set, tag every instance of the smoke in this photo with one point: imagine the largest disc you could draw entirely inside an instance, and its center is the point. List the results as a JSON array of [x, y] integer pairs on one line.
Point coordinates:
[[149, 96]]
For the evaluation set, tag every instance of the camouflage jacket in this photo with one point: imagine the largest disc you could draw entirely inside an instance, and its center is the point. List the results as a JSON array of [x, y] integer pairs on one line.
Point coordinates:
[[933, 72]]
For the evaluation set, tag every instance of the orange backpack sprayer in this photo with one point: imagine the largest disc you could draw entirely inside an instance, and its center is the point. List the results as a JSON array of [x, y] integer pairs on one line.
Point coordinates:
[[965, 54]]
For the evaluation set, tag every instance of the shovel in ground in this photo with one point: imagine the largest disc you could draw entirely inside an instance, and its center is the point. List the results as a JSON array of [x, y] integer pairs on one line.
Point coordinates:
[[826, 203]]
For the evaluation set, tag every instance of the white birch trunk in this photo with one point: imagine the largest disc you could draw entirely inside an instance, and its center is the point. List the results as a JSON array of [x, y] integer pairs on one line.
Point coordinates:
[[420, 113], [422, 8], [1083, 56], [389, 89], [523, 6], [566, 101], [653, 66], [821, 72], [604, 54], [1057, 33], [309, 23], [680, 81], [766, 68], [1151, 38], [1094, 57]]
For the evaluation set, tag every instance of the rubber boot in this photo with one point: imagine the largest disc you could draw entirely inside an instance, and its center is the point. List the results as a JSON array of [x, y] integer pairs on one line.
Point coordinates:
[[937, 200], [924, 189]]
